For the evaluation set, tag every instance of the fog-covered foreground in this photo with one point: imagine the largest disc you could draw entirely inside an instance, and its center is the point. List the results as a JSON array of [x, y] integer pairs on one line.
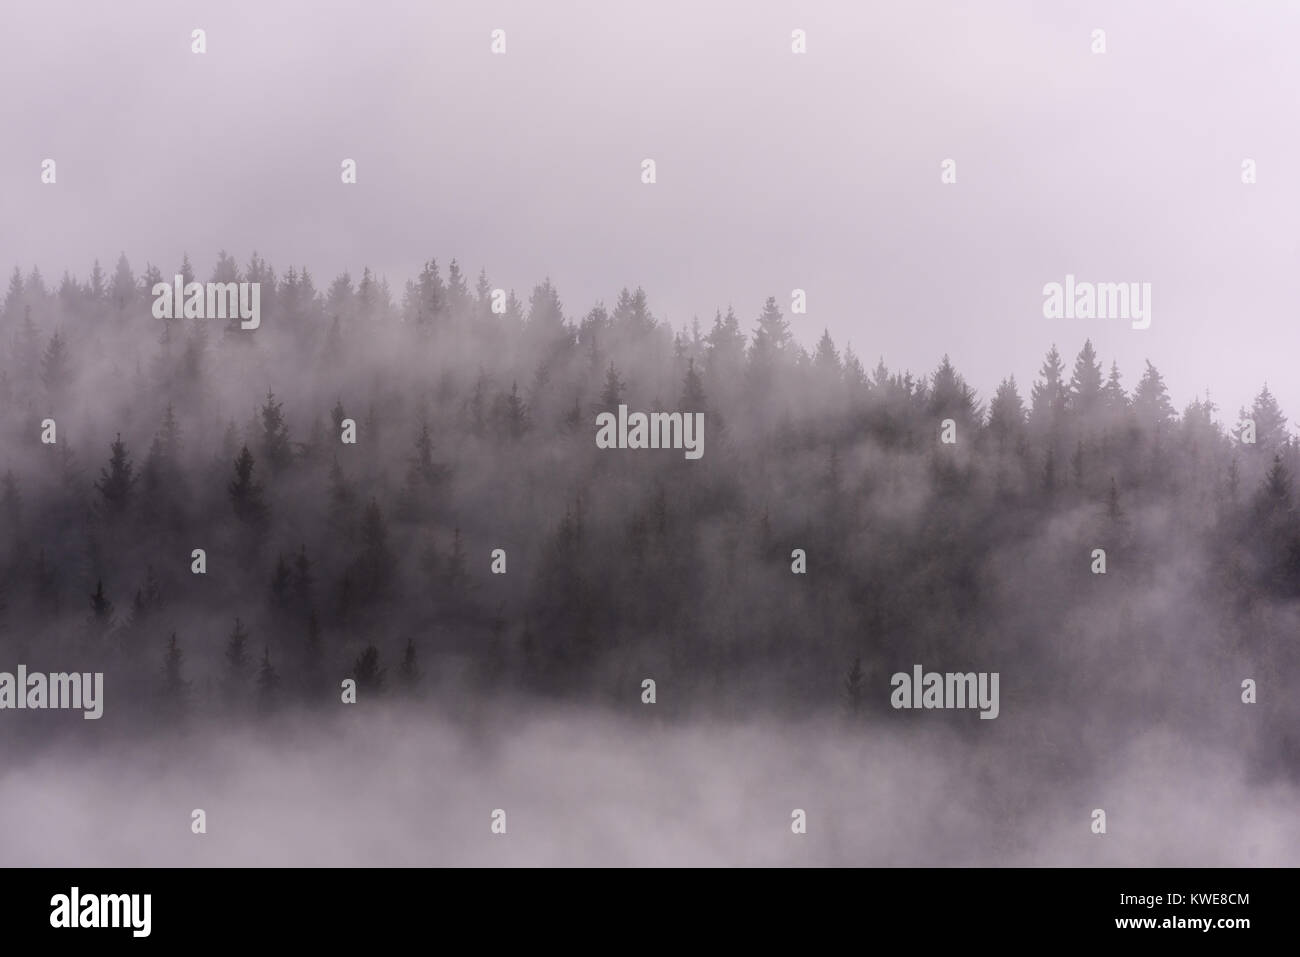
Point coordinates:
[[405, 788]]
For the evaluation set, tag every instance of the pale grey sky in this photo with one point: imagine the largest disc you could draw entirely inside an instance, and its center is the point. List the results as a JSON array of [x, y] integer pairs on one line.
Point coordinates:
[[775, 171]]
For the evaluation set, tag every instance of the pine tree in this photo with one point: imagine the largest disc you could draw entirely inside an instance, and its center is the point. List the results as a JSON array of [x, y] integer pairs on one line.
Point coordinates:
[[1113, 509], [366, 671], [153, 487], [514, 314], [342, 502], [27, 350], [1270, 424], [855, 687], [1047, 398], [56, 368], [573, 418], [14, 296], [476, 405], [268, 683], [771, 336], [367, 295], [101, 610], [827, 360], [175, 687], [312, 653], [410, 669], [454, 572], [545, 323], [122, 290], [631, 315], [483, 294], [611, 394], [280, 579], [117, 482], [854, 375], [237, 653], [276, 449], [1151, 401], [375, 569], [97, 287], [457, 291], [692, 399], [246, 494], [1274, 497], [151, 276], [1006, 414], [950, 396], [430, 303], [724, 347], [340, 299], [1275, 532], [170, 434], [1085, 384], [511, 414], [36, 290], [423, 473], [1113, 397], [592, 330], [147, 601], [226, 269], [303, 580]]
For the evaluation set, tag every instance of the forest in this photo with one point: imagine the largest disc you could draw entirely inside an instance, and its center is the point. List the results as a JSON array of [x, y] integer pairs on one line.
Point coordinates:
[[474, 431]]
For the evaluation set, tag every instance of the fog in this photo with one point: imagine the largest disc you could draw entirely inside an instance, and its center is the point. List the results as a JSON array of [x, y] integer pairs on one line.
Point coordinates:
[[361, 575], [589, 789], [777, 172]]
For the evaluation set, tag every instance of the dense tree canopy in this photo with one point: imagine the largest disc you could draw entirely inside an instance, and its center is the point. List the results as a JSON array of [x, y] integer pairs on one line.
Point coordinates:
[[472, 418]]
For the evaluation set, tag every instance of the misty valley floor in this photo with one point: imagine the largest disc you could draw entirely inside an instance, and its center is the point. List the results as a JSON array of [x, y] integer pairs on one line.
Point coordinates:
[[390, 787]]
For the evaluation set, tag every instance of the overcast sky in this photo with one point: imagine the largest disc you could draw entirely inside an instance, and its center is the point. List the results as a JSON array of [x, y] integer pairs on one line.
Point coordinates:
[[775, 171]]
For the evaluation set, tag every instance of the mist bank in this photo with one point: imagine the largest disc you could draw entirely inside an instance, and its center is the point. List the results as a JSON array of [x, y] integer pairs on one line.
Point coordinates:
[[385, 788]]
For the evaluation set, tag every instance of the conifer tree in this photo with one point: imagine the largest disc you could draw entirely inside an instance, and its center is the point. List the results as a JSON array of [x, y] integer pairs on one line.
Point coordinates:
[[175, 687], [268, 683], [246, 494], [367, 672], [1085, 384], [1151, 400], [855, 687], [277, 451], [410, 668], [117, 482], [237, 653], [56, 368], [101, 611]]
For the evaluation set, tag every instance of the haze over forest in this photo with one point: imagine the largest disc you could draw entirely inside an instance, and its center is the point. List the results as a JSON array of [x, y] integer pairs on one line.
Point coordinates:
[[475, 431], [920, 170]]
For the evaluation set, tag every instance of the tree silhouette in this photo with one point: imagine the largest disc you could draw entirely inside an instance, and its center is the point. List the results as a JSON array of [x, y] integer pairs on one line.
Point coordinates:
[[277, 451], [246, 494], [237, 653], [56, 367], [175, 688], [101, 611], [367, 672], [854, 687], [409, 671], [117, 482], [268, 683]]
